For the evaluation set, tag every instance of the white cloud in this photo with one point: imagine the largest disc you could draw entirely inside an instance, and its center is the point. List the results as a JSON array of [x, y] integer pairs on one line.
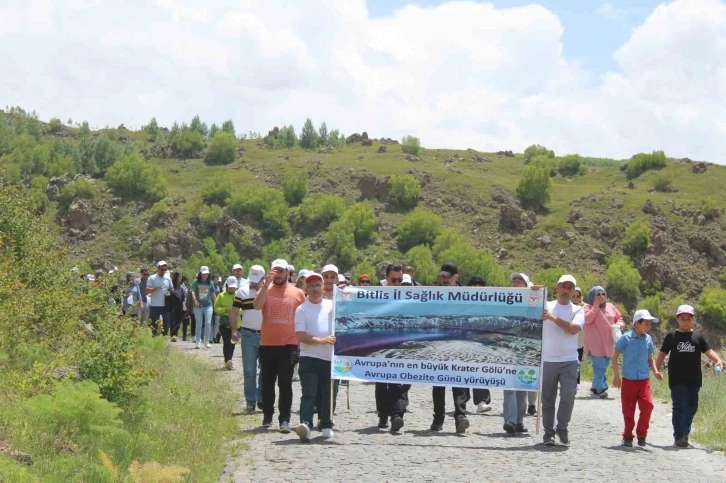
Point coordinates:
[[461, 74], [609, 11]]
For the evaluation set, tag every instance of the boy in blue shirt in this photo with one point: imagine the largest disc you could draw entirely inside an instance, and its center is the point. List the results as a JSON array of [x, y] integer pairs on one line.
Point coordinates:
[[637, 348]]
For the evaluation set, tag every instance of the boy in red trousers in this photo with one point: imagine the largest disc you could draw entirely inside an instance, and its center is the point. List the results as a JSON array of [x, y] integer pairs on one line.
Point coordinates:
[[637, 348]]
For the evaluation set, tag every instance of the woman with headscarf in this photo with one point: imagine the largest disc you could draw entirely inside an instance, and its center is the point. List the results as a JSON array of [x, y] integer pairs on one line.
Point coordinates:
[[577, 300], [176, 301], [600, 317]]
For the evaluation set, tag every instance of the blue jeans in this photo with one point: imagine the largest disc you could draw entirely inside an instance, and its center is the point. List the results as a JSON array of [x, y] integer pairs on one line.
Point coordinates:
[[154, 314], [215, 327], [685, 405], [250, 355], [599, 368], [315, 382], [515, 405], [203, 316]]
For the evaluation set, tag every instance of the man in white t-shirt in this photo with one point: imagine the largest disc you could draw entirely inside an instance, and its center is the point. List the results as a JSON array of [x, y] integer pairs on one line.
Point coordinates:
[[562, 322], [314, 330], [158, 287], [249, 334]]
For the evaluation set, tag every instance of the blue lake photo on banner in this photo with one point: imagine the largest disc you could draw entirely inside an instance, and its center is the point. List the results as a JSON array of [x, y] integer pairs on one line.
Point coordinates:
[[473, 337]]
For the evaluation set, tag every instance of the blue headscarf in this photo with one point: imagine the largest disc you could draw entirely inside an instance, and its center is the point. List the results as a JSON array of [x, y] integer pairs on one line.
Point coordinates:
[[594, 290]]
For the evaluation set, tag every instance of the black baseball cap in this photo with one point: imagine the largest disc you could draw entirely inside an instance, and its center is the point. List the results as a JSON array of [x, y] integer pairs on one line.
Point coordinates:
[[449, 268]]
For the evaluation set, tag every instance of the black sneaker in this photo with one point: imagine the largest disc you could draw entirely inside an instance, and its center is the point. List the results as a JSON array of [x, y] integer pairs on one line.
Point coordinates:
[[531, 410], [382, 422], [593, 391], [436, 426], [396, 424], [548, 439], [259, 405], [266, 423], [682, 442], [564, 439], [510, 427], [641, 442], [628, 442], [521, 429], [462, 424]]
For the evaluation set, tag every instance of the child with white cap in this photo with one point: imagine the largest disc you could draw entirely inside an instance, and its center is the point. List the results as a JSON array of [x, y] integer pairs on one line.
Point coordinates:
[[685, 346], [637, 349]]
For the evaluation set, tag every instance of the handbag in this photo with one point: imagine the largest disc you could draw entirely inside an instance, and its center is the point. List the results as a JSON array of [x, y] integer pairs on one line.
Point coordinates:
[[616, 332]]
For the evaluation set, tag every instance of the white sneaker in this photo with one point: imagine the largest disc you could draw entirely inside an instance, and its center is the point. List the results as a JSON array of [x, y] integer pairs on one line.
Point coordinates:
[[483, 407], [303, 432], [328, 433], [229, 365], [206, 344], [199, 345]]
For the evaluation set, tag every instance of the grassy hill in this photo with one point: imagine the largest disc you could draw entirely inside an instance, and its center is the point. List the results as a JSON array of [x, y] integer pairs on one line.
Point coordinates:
[[581, 228]]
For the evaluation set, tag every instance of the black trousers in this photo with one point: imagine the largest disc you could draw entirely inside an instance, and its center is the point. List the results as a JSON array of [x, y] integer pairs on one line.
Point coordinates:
[[228, 346], [391, 399], [461, 397], [277, 364], [579, 358], [177, 314], [482, 395]]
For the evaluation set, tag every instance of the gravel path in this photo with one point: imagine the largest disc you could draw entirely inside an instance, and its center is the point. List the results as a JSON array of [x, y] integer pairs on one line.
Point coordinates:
[[361, 452]]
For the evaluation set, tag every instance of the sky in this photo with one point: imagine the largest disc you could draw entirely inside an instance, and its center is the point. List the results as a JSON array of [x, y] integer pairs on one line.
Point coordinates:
[[604, 79]]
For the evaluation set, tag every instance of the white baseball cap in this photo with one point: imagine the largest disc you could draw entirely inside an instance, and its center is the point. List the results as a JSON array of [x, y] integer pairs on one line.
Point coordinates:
[[406, 278], [291, 268], [303, 273], [330, 268], [232, 282], [643, 315], [161, 263], [204, 269], [567, 278], [279, 263], [341, 278], [237, 266], [685, 309], [257, 273], [523, 276]]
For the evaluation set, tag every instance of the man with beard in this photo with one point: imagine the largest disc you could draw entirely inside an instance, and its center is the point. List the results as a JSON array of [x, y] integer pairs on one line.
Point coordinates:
[[392, 399], [278, 300]]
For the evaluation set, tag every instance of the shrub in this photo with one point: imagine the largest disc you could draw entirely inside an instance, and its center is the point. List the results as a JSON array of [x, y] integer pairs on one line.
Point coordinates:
[[222, 149], [228, 127], [132, 176], [404, 191], [308, 136], [446, 239], [75, 190], [210, 215], [318, 211], [421, 227], [6, 136], [537, 150], [708, 207], [637, 238], [362, 221], [31, 157], [534, 187], [295, 187], [217, 191], [663, 182], [410, 145], [642, 162], [475, 263], [652, 304], [274, 250], [323, 135], [199, 126], [711, 307], [569, 165], [213, 129], [341, 244], [420, 258], [54, 125], [362, 267], [96, 155], [187, 143], [151, 128], [623, 280], [267, 206]]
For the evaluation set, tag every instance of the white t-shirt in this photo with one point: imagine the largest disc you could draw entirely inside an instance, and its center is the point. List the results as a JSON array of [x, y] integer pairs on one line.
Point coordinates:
[[558, 345], [251, 318], [158, 298], [315, 320]]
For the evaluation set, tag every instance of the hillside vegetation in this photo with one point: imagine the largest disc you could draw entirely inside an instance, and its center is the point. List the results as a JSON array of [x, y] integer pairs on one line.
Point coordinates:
[[650, 228]]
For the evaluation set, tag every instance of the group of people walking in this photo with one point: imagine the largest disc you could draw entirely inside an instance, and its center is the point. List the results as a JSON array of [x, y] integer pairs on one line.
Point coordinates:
[[284, 318]]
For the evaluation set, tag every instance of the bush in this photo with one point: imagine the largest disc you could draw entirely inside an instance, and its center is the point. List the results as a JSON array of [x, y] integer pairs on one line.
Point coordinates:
[[187, 143], [222, 149], [534, 187], [642, 162], [404, 191], [308, 136], [537, 150], [475, 263], [319, 211], [274, 250], [711, 307], [54, 125], [421, 259], [637, 238], [663, 182], [217, 191], [341, 244], [295, 188], [410, 145], [623, 280], [569, 165], [228, 127], [361, 220], [420, 228], [96, 155], [132, 176], [6, 136], [709, 208], [267, 206], [209, 216], [199, 126], [75, 190], [446, 239], [151, 128], [364, 267]]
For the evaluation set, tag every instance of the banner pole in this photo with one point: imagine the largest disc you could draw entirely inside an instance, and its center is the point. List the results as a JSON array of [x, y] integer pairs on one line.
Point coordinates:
[[541, 370], [332, 354]]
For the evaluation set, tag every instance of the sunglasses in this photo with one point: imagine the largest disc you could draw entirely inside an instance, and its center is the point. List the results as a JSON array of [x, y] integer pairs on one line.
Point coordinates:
[[396, 280], [365, 281], [601, 293]]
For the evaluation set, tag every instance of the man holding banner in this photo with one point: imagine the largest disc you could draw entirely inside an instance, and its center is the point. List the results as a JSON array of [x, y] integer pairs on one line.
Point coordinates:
[[562, 322]]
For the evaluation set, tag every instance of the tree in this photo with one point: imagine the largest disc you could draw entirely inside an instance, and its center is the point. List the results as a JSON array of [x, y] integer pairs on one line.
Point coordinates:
[[228, 126], [623, 280], [421, 227], [642, 162], [364, 267], [308, 136], [711, 307], [54, 125], [268, 207], [475, 263], [535, 187], [410, 145], [222, 149], [362, 222], [199, 126], [213, 129], [187, 143], [85, 131], [323, 135], [274, 250], [152, 128], [341, 244], [404, 191], [335, 139], [6, 136], [420, 258], [96, 155], [319, 211], [295, 187], [217, 191], [569, 165], [446, 239], [132, 176], [637, 238], [536, 150], [287, 137]]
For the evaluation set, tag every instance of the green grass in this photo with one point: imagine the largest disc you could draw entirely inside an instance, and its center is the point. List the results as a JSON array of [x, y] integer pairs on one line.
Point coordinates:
[[182, 419]]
